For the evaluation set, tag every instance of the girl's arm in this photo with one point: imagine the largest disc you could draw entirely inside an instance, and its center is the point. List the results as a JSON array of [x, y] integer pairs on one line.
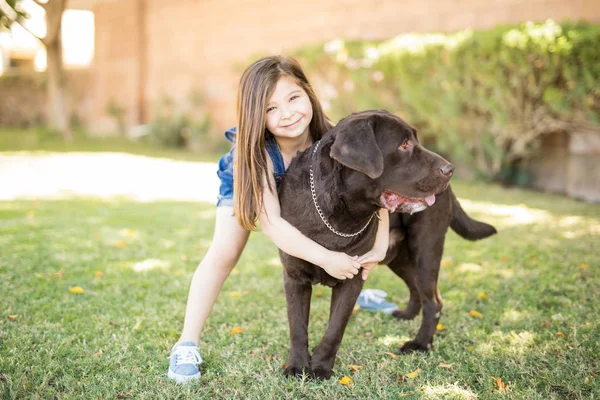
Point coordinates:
[[291, 241], [370, 259]]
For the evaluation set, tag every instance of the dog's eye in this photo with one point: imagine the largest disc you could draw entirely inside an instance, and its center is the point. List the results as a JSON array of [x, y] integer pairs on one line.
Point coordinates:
[[405, 145]]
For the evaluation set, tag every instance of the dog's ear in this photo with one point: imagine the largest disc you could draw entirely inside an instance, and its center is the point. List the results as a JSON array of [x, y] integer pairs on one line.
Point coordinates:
[[355, 147]]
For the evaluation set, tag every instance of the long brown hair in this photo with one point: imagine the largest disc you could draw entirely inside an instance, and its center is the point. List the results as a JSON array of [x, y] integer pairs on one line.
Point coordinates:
[[250, 159]]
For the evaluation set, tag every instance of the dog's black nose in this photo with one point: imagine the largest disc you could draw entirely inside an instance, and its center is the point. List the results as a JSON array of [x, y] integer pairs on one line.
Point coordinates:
[[447, 169]]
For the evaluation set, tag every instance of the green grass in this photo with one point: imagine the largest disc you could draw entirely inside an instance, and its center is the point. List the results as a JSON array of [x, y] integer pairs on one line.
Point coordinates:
[[113, 340], [39, 141]]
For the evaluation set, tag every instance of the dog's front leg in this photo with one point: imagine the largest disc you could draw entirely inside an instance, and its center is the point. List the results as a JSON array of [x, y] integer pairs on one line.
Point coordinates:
[[297, 295], [343, 299]]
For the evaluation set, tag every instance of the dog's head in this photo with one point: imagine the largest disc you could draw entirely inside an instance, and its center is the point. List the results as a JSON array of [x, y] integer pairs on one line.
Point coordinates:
[[399, 173]]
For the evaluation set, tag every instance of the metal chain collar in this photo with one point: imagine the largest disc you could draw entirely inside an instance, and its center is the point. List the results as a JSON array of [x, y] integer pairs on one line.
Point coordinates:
[[314, 197]]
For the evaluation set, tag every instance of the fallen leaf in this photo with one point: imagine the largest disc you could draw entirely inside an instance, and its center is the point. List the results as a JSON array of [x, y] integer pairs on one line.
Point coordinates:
[[354, 368], [440, 327], [445, 263], [414, 374], [346, 381], [533, 259], [560, 334], [547, 324], [98, 354], [482, 296], [99, 274], [392, 354], [76, 290], [584, 266], [318, 293], [356, 308], [500, 384], [59, 274], [444, 365], [283, 366], [475, 314], [504, 259], [586, 380], [120, 244], [400, 379], [235, 294], [12, 317], [236, 330]]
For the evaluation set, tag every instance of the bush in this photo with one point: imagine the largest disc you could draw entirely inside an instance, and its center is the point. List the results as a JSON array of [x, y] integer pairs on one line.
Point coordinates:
[[182, 127], [481, 97]]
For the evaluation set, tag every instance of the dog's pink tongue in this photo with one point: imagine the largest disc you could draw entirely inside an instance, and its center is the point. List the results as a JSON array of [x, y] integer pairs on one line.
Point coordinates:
[[430, 200]]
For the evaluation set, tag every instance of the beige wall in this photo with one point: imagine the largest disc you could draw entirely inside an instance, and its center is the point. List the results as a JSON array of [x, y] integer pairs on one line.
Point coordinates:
[[149, 48]]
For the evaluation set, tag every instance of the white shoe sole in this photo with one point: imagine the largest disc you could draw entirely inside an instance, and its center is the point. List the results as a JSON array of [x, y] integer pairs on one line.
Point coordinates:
[[183, 378]]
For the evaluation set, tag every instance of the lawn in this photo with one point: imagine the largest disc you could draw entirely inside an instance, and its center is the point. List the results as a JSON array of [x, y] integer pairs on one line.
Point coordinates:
[[536, 286], [40, 140]]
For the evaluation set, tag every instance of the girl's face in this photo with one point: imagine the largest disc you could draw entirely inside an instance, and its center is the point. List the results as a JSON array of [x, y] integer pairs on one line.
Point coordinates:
[[289, 110]]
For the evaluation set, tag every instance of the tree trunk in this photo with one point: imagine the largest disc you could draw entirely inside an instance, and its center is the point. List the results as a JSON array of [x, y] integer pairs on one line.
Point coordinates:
[[57, 104]]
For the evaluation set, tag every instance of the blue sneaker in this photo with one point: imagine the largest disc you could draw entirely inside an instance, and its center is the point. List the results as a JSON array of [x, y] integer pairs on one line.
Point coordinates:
[[373, 300], [184, 362]]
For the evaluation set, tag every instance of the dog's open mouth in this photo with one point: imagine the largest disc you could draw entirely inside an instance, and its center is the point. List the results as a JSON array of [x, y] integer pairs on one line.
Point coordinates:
[[396, 202]]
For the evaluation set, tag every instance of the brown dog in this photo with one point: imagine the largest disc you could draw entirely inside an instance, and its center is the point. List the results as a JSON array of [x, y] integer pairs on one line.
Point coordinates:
[[370, 160]]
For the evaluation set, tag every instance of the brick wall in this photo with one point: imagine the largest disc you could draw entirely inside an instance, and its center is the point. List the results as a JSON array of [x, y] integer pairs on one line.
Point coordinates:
[[148, 49], [23, 99]]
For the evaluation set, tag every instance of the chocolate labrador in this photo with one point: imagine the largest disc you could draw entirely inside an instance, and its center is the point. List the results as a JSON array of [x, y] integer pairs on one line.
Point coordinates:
[[331, 193]]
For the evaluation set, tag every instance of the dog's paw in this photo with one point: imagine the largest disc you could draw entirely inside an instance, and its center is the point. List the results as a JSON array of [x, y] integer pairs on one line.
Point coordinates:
[[405, 314], [296, 371], [412, 345], [320, 372]]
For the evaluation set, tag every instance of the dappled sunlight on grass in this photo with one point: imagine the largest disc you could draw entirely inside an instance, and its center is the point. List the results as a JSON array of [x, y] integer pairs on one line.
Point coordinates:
[[150, 264], [447, 391], [508, 215], [106, 175], [506, 343]]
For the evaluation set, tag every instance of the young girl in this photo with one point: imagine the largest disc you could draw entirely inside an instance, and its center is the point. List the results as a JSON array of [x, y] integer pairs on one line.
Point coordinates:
[[278, 115]]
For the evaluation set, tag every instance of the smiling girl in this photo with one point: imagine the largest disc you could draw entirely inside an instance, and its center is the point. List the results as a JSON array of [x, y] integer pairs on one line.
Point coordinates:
[[278, 114]]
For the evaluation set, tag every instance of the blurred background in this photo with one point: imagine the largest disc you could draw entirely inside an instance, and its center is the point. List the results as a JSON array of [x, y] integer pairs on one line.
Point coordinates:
[[508, 90]]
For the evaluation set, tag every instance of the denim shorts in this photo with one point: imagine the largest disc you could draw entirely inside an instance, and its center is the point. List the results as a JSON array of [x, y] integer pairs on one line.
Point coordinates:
[[225, 171]]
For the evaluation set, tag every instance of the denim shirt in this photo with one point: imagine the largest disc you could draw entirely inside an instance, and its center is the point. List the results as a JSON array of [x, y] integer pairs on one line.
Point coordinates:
[[272, 150]]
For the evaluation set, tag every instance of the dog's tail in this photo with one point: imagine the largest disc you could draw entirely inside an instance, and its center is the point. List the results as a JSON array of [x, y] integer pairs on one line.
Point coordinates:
[[467, 227]]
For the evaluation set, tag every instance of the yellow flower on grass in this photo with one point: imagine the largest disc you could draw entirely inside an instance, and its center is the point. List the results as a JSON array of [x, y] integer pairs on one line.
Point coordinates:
[[482, 296], [414, 374], [475, 314], [236, 330], [346, 381], [76, 290], [440, 327]]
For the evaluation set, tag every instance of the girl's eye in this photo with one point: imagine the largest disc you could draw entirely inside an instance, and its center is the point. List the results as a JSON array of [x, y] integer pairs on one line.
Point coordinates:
[[405, 145], [294, 97], [270, 109]]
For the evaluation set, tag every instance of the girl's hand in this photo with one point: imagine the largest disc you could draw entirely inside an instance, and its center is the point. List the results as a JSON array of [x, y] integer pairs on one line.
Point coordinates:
[[340, 265], [370, 260]]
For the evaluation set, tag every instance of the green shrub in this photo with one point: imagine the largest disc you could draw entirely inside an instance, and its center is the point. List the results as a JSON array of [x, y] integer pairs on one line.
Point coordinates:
[[483, 98], [182, 127]]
